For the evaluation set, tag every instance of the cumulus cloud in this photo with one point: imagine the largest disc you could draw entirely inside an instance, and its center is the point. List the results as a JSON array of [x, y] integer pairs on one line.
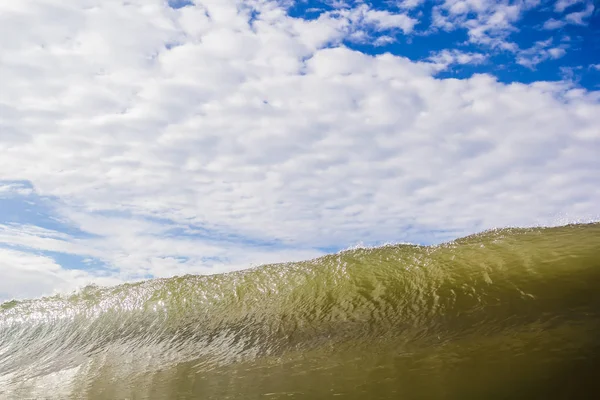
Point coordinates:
[[364, 16], [179, 138], [562, 5], [488, 22], [445, 58], [579, 17], [26, 275], [575, 17], [541, 51], [552, 24], [409, 4]]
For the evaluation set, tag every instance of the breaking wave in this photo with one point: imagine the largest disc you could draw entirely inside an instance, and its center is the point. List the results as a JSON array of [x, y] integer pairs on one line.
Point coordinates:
[[512, 313]]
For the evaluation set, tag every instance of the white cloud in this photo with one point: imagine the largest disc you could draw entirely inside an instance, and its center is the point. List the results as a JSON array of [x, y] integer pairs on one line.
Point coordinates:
[[578, 17], [488, 22], [562, 5], [443, 59], [552, 24], [270, 131], [132, 249], [409, 4], [575, 18], [383, 40], [539, 52], [25, 275], [379, 20], [556, 52], [12, 189]]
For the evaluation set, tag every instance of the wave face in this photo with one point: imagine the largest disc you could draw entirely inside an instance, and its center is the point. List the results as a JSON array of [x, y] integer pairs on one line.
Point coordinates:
[[506, 314]]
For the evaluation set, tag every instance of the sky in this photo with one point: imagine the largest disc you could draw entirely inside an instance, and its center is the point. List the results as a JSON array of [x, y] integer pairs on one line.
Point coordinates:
[[153, 138]]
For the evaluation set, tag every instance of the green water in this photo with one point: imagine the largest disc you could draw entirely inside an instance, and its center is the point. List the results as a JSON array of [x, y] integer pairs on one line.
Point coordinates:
[[508, 314]]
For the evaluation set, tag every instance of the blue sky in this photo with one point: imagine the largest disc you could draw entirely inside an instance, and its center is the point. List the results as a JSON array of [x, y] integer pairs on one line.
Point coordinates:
[[155, 138], [576, 30]]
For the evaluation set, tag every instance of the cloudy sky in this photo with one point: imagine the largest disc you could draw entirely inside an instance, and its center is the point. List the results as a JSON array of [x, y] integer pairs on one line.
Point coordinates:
[[152, 138]]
